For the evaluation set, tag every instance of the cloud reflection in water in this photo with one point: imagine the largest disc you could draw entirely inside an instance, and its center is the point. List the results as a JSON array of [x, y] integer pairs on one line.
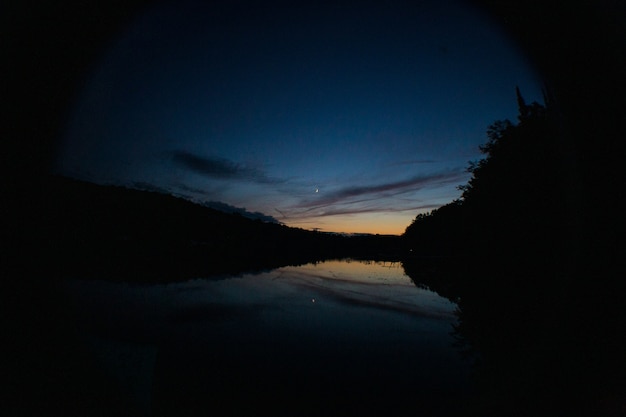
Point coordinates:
[[336, 327]]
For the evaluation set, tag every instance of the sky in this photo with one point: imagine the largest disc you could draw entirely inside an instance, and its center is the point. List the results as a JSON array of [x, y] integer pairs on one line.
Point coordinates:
[[343, 118]]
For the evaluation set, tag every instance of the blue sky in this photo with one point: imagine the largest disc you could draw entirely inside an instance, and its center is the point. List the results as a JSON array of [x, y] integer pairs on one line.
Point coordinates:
[[342, 118]]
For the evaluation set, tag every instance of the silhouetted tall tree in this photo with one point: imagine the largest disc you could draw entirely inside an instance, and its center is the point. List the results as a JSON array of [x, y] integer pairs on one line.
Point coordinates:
[[527, 305], [513, 196]]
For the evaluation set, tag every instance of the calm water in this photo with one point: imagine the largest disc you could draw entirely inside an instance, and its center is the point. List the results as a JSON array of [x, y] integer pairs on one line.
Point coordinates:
[[333, 338]]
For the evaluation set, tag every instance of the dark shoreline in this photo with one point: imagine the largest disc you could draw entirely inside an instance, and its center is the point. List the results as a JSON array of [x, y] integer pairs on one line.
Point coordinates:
[[124, 234]]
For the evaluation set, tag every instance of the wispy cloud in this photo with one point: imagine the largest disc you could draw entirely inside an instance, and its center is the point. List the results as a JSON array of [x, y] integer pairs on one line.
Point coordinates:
[[388, 189], [221, 168], [379, 198], [146, 186], [227, 208], [415, 162], [375, 209]]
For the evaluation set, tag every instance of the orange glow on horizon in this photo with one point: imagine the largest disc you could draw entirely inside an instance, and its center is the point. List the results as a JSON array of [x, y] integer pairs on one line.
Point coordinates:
[[382, 224]]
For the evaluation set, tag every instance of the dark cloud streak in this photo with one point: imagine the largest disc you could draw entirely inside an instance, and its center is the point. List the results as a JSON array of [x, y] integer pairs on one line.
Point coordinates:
[[220, 168], [384, 190], [415, 162], [227, 208], [348, 210], [380, 198], [419, 182]]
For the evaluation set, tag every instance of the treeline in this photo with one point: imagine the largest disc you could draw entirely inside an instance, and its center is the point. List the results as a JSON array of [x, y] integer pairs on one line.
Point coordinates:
[[532, 303], [514, 198], [112, 232]]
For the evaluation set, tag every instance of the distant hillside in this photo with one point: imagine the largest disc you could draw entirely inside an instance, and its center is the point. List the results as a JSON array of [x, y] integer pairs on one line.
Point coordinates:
[[227, 208], [218, 205], [112, 232]]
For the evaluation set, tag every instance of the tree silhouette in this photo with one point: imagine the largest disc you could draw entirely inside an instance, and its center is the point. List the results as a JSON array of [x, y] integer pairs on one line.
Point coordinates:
[[527, 305], [513, 195]]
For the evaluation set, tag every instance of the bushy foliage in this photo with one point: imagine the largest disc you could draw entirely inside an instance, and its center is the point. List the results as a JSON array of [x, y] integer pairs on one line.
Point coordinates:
[[527, 303], [513, 196]]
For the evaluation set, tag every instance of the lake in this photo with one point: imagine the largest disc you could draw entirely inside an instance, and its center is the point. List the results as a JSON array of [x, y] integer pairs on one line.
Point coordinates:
[[340, 337]]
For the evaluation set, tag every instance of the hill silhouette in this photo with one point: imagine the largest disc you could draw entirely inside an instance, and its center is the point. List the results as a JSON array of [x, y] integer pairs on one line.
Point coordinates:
[[117, 233]]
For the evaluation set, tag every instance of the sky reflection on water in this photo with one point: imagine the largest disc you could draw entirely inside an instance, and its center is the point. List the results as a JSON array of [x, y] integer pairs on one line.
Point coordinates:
[[352, 320]]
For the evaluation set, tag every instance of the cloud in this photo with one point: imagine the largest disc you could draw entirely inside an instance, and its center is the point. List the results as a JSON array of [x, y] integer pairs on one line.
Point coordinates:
[[189, 189], [415, 162], [146, 186], [384, 190], [375, 209], [379, 198], [220, 168], [227, 208]]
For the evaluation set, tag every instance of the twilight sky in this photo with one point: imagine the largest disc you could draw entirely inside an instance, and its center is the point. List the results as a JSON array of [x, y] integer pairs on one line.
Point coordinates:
[[342, 118]]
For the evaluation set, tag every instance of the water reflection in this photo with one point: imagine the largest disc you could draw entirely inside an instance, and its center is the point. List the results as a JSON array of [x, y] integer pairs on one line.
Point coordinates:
[[337, 336]]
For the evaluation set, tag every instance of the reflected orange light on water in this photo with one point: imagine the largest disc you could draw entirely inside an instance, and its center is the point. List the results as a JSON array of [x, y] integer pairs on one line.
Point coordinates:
[[367, 272]]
